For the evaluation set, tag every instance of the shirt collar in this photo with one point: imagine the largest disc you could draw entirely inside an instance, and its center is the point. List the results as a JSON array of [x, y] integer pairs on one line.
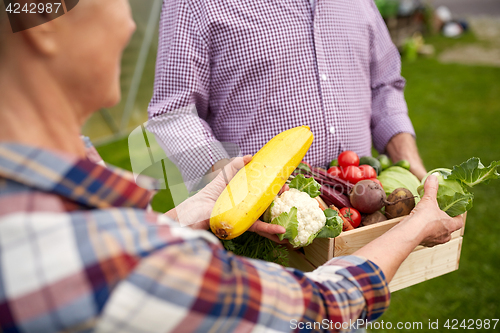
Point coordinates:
[[77, 179]]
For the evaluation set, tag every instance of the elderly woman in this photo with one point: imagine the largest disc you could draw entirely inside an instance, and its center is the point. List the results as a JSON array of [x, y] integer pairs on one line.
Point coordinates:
[[79, 253]]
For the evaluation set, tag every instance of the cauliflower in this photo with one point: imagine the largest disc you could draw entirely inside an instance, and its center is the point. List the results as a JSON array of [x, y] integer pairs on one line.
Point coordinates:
[[310, 217]]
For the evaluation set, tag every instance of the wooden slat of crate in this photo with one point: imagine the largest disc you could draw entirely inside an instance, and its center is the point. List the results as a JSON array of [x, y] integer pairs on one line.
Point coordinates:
[[299, 261], [319, 252], [323, 249], [349, 242], [427, 263], [421, 265]]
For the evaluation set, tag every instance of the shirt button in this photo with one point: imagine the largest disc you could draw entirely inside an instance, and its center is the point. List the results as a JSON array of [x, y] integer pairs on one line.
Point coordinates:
[[324, 77], [332, 130]]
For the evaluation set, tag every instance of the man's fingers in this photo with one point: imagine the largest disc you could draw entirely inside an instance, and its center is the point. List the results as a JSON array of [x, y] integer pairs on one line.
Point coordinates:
[[269, 231], [272, 237], [247, 159], [431, 187], [263, 227]]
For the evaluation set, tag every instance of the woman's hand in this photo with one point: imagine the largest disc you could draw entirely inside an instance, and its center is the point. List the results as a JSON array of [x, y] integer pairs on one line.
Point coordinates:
[[437, 225], [426, 225], [195, 212]]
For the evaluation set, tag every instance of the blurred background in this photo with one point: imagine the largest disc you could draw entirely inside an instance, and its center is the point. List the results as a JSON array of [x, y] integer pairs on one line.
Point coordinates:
[[451, 61]]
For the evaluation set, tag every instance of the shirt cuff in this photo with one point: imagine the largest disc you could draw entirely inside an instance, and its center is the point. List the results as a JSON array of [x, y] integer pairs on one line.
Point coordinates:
[[389, 126], [206, 156], [367, 277]]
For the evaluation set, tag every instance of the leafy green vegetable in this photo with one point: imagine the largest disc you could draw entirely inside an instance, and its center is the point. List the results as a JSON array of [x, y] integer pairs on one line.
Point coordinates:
[[457, 204], [473, 172], [395, 177], [446, 187], [308, 185], [453, 195], [303, 168], [252, 245], [333, 225], [289, 222]]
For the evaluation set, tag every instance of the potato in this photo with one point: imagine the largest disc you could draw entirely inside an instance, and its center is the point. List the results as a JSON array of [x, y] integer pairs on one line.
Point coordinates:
[[401, 203], [374, 218]]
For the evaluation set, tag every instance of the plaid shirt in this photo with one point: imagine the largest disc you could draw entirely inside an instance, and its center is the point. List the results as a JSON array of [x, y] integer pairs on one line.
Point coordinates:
[[242, 71], [79, 254]]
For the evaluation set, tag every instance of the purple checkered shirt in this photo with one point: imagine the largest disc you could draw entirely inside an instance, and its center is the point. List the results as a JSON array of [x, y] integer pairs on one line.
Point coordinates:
[[241, 72]]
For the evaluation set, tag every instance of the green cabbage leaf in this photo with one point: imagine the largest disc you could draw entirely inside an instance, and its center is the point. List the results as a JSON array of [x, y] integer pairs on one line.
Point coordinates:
[[333, 225], [453, 195], [395, 177], [473, 172], [307, 185], [289, 222]]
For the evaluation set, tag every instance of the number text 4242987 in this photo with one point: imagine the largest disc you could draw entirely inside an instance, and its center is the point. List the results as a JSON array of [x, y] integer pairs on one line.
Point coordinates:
[[34, 8]]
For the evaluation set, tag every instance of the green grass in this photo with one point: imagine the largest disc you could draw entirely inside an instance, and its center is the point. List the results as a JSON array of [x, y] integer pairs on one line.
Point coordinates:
[[116, 153], [455, 110], [441, 43]]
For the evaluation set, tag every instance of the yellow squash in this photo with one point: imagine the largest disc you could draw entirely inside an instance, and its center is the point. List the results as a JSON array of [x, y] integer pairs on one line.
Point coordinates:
[[254, 187]]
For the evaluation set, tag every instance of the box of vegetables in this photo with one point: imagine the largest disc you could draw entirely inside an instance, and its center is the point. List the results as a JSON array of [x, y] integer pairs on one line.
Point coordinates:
[[334, 212], [373, 209], [381, 211]]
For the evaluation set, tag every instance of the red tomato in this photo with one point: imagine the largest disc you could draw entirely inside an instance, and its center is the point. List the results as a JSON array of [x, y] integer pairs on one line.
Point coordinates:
[[368, 171], [348, 158], [352, 174], [284, 189], [335, 171], [377, 181], [352, 215]]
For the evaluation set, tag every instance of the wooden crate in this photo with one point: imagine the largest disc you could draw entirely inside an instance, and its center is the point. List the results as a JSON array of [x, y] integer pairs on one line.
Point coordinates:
[[422, 264]]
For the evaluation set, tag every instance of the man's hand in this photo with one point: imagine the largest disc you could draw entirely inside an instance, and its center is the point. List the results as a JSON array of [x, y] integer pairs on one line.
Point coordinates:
[[195, 212], [403, 146]]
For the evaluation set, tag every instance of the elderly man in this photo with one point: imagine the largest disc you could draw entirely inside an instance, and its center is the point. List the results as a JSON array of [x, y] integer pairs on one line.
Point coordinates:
[[239, 72], [78, 253]]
